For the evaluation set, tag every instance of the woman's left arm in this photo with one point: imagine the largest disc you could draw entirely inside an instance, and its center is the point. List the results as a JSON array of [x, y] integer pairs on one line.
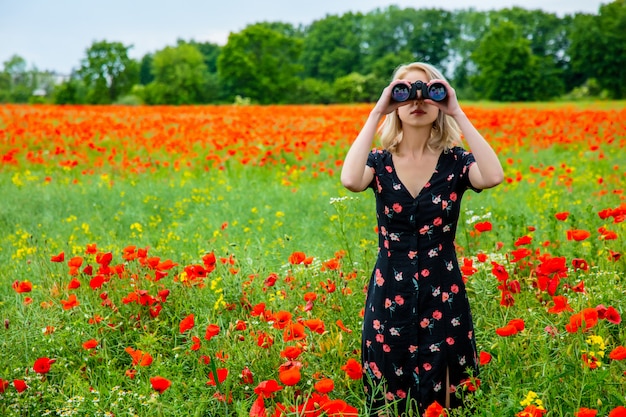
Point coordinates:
[[487, 171]]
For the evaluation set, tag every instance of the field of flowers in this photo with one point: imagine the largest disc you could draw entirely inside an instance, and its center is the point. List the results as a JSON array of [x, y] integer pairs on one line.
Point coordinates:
[[205, 261]]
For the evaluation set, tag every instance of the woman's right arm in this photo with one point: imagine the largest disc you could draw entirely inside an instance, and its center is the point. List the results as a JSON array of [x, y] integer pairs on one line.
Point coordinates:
[[355, 174]]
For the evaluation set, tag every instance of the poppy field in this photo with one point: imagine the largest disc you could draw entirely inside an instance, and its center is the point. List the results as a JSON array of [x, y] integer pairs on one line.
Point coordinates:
[[206, 261]]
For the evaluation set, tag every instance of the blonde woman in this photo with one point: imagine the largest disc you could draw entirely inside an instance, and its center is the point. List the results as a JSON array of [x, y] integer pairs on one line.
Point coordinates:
[[418, 342]]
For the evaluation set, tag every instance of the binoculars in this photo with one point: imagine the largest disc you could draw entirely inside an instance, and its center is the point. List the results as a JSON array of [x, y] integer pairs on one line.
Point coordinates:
[[402, 92]]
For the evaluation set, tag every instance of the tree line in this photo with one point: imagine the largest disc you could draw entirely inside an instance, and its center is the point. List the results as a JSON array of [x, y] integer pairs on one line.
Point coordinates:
[[510, 54]]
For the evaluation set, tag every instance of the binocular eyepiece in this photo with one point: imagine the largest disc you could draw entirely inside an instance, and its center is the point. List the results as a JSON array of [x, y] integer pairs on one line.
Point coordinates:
[[436, 91]]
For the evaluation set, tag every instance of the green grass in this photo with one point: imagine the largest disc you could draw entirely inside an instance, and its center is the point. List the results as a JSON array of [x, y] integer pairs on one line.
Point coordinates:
[[255, 216]]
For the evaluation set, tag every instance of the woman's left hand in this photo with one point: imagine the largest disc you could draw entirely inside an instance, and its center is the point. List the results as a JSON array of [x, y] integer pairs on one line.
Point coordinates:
[[450, 105]]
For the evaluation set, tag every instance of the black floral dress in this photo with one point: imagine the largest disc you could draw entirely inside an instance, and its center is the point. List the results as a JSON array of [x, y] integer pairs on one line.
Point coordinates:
[[417, 325]]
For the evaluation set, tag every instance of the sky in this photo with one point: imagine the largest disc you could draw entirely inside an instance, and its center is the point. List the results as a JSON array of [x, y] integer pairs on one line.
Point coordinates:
[[54, 35]]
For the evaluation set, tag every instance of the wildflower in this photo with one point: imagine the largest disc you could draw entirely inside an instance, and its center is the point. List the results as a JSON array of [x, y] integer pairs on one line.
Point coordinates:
[[531, 411], [266, 388], [222, 373], [619, 411], [485, 226], [562, 216], [70, 303], [291, 352], [160, 384], [609, 314], [577, 235], [58, 258], [559, 304], [297, 258], [585, 412], [586, 319], [618, 354], [435, 410], [246, 376], [22, 287], [290, 375], [211, 331], [3, 385], [324, 386], [485, 358], [140, 357], [42, 365], [353, 369], [20, 385], [186, 324], [90, 344]]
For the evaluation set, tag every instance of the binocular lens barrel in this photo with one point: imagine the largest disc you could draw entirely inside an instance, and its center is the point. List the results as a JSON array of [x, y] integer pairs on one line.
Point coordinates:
[[401, 92]]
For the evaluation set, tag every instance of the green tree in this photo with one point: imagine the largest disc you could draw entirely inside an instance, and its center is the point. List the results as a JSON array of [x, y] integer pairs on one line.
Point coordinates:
[[598, 48], [180, 76], [210, 51], [426, 34], [107, 72], [16, 82], [507, 69], [332, 47], [260, 63], [145, 69]]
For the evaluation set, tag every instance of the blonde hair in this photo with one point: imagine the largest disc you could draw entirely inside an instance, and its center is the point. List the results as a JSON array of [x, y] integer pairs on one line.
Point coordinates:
[[445, 132]]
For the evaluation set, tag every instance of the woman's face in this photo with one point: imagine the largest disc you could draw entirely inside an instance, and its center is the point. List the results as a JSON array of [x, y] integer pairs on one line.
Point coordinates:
[[416, 112]]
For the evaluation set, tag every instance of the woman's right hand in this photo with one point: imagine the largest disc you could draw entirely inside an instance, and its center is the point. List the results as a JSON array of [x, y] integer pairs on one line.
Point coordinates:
[[385, 104]]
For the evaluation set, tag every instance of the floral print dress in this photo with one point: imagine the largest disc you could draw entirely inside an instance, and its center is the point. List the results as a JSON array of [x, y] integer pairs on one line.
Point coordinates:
[[417, 324]]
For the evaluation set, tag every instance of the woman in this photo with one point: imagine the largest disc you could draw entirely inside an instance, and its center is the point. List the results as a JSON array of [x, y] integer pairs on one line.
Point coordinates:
[[418, 341]]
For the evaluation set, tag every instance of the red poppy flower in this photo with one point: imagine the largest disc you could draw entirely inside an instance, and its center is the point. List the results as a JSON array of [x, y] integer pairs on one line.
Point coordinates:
[[562, 216], [211, 330], [483, 226], [58, 258], [297, 258], [531, 411], [315, 325], [70, 303], [577, 234], [187, 323], [581, 264], [291, 352], [324, 386], [499, 271], [22, 287], [282, 319], [267, 388], [20, 385], [258, 408], [295, 331], [485, 358], [160, 384], [618, 354], [3, 385], [435, 410], [353, 369], [222, 373], [619, 411], [90, 344], [42, 365], [524, 240], [340, 324], [290, 376], [140, 358], [338, 408], [246, 376], [559, 304], [585, 412], [505, 331], [612, 315]]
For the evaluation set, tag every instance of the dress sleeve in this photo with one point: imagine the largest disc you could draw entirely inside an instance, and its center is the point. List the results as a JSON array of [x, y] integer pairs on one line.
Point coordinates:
[[373, 160], [465, 160]]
